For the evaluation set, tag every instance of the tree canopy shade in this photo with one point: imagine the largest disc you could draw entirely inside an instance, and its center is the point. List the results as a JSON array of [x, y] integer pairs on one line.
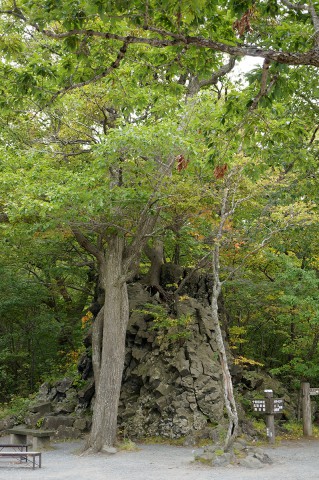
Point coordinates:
[[111, 136]]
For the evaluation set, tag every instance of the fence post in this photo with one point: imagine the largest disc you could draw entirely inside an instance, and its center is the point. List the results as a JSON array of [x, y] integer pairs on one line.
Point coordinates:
[[306, 410]]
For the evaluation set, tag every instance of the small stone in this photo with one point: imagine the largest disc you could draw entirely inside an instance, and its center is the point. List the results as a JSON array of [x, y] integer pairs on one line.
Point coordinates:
[[206, 458], [263, 457], [222, 460], [251, 462], [238, 446], [109, 450]]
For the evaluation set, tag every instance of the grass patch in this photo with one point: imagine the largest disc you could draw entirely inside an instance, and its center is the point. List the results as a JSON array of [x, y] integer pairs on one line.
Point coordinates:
[[203, 461], [127, 445], [294, 431], [219, 452], [18, 408], [177, 442]]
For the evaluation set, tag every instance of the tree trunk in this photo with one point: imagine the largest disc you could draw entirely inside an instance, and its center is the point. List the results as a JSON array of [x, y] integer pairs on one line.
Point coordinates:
[[109, 349], [97, 339], [229, 398], [155, 255]]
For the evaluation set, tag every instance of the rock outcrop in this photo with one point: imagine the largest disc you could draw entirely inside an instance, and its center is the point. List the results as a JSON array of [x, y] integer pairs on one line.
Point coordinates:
[[171, 387], [240, 454]]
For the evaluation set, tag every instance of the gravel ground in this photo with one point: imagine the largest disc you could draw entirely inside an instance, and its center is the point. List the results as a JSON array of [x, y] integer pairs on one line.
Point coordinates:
[[297, 460]]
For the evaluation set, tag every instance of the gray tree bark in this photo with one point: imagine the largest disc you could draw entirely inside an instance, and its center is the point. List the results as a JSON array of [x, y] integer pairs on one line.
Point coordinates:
[[116, 265], [109, 361], [228, 391]]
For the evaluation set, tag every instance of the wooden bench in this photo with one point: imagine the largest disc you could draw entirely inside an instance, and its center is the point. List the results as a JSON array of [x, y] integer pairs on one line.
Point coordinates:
[[39, 438], [26, 456], [19, 447]]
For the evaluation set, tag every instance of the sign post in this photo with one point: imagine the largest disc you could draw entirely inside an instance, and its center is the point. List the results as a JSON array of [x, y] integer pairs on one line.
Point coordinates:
[[270, 406], [306, 407], [270, 417]]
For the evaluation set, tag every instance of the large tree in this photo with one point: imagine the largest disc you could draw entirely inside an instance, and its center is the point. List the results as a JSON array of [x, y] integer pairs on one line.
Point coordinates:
[[96, 160]]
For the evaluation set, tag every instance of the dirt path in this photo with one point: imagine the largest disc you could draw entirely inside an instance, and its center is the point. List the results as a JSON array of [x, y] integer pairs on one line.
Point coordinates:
[[297, 460]]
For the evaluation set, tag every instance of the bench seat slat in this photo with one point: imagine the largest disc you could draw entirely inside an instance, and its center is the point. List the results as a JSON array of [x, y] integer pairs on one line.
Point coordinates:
[[7, 445], [18, 454], [20, 446], [27, 456], [34, 433]]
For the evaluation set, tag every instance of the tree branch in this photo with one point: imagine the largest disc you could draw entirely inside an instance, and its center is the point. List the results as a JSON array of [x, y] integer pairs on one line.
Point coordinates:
[[295, 6], [200, 264], [313, 105], [264, 89], [145, 223], [168, 38], [315, 21], [313, 137], [220, 73], [16, 12], [87, 245], [196, 84], [291, 58], [104, 74]]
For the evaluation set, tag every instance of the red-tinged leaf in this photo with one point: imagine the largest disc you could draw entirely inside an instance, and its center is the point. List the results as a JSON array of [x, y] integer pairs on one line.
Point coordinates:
[[220, 171], [181, 162]]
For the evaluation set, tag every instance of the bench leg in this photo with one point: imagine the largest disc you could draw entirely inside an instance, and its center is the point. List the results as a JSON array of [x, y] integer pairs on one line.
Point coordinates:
[[34, 462], [40, 442]]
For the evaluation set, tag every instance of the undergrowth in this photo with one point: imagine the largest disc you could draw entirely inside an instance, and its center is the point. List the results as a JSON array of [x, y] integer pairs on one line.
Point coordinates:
[[158, 440], [294, 431], [127, 445], [17, 408]]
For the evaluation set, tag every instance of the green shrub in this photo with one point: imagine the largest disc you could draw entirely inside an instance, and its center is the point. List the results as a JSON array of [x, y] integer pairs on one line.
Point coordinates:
[[17, 408], [167, 327]]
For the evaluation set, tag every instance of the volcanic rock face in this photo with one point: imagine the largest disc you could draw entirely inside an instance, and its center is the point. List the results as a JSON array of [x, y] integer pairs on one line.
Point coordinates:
[[171, 383]]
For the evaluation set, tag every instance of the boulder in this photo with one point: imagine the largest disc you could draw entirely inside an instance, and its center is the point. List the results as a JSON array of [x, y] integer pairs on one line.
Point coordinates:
[[54, 422], [80, 424], [170, 388], [6, 423], [251, 462], [67, 404], [64, 432], [63, 385], [41, 407]]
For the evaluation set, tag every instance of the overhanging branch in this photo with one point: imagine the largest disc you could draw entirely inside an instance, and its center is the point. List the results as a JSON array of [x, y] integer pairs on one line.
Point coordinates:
[[167, 39], [96, 78], [170, 39]]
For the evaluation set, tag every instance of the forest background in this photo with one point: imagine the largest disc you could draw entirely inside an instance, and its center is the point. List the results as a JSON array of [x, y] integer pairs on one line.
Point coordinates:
[[126, 143]]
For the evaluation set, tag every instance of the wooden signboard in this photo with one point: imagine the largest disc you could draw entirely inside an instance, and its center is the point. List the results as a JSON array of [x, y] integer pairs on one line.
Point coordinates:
[[259, 405], [270, 406]]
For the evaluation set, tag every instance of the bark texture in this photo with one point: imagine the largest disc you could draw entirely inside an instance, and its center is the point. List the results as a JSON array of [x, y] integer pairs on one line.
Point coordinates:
[[229, 398], [109, 362]]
